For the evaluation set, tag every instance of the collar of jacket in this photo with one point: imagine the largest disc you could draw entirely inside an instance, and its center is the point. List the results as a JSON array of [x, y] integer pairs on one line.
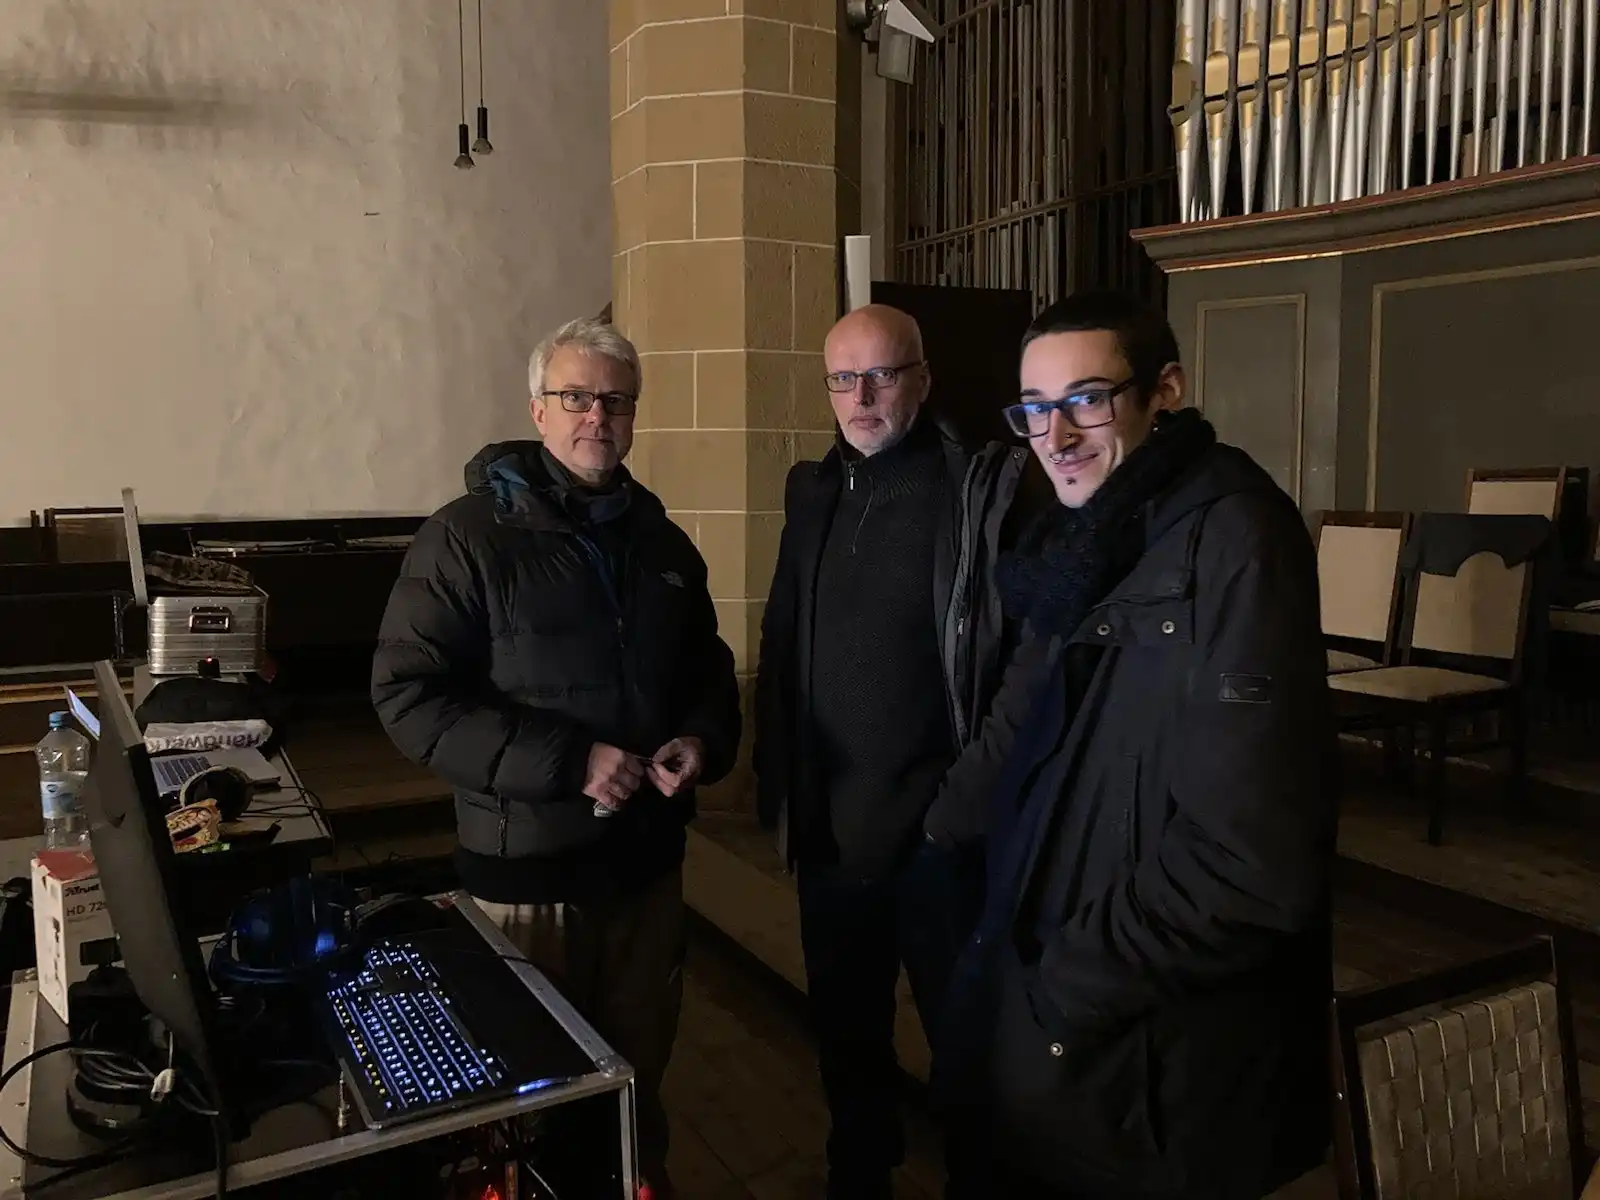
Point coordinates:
[[829, 469], [527, 494], [587, 505], [1164, 573], [1223, 470]]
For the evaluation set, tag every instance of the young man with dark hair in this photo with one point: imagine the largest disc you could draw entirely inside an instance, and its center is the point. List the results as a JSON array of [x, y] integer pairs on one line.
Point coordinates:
[[1141, 1012]]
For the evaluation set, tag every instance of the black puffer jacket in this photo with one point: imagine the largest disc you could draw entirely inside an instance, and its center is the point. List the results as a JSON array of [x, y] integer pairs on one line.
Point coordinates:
[[521, 632]]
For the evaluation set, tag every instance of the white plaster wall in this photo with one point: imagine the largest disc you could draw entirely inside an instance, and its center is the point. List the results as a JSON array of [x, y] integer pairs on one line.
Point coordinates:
[[238, 271]]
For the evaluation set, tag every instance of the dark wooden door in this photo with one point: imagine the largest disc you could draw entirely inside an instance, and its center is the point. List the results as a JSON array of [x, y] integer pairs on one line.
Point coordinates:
[[972, 338]]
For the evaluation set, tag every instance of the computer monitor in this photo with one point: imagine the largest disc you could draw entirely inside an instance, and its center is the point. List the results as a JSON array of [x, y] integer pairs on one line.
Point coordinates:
[[137, 865]]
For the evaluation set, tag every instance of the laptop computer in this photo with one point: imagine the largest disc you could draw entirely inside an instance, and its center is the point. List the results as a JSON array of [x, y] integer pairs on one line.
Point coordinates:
[[172, 771]]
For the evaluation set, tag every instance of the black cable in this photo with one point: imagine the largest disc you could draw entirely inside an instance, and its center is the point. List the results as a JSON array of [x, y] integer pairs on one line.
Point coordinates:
[[304, 800], [480, 54], [114, 1071], [461, 43], [278, 808], [126, 1075], [219, 1140], [83, 1162]]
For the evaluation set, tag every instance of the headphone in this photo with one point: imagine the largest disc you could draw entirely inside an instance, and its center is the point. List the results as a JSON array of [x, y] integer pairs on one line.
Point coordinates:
[[228, 786], [287, 933]]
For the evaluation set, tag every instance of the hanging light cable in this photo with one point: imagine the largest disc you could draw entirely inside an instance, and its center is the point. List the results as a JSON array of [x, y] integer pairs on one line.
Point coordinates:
[[482, 145], [464, 157]]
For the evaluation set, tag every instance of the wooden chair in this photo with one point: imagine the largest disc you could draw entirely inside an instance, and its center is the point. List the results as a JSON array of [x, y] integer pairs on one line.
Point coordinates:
[[1558, 493], [1462, 644], [1531, 491], [86, 534], [1358, 571], [1462, 1083]]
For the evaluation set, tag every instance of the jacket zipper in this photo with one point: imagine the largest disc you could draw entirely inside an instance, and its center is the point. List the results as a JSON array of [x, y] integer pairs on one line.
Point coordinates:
[[612, 583], [866, 509], [956, 615]]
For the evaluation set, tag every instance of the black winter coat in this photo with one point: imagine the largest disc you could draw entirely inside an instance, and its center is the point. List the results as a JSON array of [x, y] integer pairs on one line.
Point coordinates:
[[1143, 1009], [517, 636], [973, 635]]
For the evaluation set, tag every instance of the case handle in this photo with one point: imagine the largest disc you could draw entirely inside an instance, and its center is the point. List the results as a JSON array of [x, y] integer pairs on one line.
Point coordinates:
[[210, 620]]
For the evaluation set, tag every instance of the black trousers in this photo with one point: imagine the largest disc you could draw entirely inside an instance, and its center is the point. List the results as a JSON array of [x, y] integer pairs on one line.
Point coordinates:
[[856, 934]]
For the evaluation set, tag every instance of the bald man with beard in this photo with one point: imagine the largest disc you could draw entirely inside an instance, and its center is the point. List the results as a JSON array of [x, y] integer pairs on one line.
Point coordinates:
[[882, 646]]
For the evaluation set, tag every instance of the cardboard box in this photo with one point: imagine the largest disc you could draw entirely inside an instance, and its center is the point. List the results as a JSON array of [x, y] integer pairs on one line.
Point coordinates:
[[72, 931]]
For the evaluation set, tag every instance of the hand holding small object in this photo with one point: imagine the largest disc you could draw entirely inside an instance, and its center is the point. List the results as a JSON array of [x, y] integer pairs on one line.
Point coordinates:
[[677, 765]]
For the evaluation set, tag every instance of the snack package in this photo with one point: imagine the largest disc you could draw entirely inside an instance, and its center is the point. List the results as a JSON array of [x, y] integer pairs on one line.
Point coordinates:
[[194, 825]]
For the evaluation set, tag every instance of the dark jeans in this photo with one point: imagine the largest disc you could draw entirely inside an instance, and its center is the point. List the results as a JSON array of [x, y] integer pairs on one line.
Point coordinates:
[[856, 934]]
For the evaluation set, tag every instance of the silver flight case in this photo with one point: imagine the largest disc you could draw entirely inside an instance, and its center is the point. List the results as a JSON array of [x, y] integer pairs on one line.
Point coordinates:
[[200, 610]]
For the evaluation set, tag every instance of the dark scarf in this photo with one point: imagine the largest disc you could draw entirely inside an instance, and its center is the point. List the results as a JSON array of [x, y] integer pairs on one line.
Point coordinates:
[[1065, 564], [589, 506], [1071, 558]]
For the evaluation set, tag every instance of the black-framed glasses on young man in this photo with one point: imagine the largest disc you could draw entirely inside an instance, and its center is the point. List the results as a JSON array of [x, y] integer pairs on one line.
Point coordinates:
[[1085, 409], [616, 404], [876, 378]]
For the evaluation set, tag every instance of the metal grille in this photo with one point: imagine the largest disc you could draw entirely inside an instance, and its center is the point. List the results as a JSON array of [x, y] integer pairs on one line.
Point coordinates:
[[1035, 137]]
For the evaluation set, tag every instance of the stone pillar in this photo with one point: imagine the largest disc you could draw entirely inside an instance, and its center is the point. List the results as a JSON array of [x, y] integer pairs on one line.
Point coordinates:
[[724, 273]]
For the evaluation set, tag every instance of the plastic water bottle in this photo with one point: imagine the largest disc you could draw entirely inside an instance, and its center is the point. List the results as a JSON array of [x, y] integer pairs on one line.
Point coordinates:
[[63, 766]]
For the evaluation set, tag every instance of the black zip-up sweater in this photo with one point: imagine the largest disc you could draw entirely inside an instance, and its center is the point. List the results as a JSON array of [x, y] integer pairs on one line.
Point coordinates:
[[989, 493], [529, 623], [879, 718]]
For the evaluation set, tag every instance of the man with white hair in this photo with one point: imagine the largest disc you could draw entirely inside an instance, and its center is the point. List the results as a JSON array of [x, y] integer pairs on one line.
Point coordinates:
[[551, 651]]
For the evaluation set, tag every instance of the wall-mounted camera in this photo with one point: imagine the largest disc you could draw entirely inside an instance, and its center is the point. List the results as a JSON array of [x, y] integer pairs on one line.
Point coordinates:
[[893, 28]]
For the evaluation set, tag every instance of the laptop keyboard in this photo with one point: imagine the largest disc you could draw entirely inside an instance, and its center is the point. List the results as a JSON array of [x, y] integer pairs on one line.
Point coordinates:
[[172, 773], [404, 1042]]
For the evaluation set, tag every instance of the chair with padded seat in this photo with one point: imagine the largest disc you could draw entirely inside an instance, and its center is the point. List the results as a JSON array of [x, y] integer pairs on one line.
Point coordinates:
[[1462, 642], [1536, 491], [1358, 574]]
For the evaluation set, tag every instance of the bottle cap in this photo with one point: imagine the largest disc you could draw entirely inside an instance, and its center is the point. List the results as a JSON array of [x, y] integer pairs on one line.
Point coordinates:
[[58, 720]]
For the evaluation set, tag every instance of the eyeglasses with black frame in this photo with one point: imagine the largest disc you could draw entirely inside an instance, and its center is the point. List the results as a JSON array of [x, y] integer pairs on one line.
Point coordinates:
[[615, 404], [1086, 409], [877, 378]]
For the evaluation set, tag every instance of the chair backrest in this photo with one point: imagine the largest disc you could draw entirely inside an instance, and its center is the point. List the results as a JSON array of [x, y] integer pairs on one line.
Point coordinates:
[[86, 534], [1534, 492], [1358, 572], [1480, 611], [1463, 1083]]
